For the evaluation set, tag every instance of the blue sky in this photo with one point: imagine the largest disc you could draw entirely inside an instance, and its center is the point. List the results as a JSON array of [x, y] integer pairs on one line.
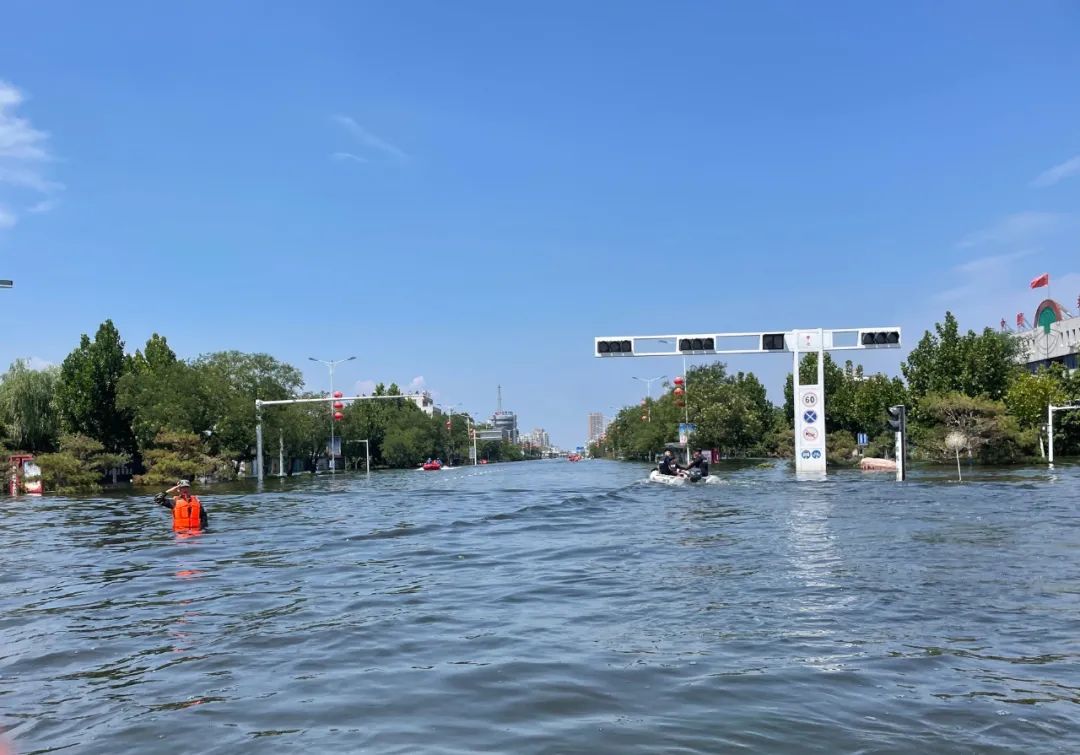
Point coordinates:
[[469, 192]]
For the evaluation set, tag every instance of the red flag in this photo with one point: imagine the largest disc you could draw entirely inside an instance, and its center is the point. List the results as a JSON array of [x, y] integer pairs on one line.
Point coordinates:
[[1042, 280], [1020, 320]]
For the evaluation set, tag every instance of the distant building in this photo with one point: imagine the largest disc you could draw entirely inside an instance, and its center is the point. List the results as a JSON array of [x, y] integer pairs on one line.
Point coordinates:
[[505, 421], [425, 404], [596, 426], [1054, 339], [537, 439]]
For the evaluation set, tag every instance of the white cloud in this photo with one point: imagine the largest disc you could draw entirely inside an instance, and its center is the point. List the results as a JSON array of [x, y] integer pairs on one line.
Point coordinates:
[[38, 363], [992, 263], [367, 387], [1059, 172], [24, 153], [988, 289], [1020, 227], [27, 178], [45, 205], [368, 139], [348, 156]]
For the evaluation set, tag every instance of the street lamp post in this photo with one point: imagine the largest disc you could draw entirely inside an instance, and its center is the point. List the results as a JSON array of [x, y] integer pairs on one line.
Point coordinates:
[[648, 382], [450, 432], [332, 364]]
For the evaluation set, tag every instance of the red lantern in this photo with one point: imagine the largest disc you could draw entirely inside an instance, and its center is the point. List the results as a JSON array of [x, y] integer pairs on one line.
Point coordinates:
[[679, 391], [338, 394], [338, 416], [679, 381], [339, 405]]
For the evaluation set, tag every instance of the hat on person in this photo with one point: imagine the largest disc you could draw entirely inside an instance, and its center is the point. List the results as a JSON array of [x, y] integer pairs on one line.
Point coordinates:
[[183, 484]]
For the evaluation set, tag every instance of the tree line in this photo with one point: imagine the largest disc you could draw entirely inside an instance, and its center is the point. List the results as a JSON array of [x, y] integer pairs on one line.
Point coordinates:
[[968, 384], [162, 418]]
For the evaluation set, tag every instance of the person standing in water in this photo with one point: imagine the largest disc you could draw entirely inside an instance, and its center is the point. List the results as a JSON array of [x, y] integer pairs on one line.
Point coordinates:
[[187, 510]]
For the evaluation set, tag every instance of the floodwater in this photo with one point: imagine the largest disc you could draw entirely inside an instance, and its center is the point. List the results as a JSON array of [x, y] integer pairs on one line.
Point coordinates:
[[550, 607]]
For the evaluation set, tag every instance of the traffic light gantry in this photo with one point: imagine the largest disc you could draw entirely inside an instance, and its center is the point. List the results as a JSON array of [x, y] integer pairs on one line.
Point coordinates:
[[751, 342], [809, 412]]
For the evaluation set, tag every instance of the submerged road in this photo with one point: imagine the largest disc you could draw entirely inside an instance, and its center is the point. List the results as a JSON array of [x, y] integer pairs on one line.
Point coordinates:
[[550, 607]]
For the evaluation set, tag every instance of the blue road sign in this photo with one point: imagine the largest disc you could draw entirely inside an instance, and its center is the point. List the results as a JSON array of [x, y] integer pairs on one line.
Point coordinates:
[[816, 454], [863, 440], [806, 454], [809, 416]]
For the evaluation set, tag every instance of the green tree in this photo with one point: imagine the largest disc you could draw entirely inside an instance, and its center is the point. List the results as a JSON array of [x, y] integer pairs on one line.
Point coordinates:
[[78, 467], [303, 428], [732, 412], [233, 380], [1030, 394], [404, 446], [991, 435], [973, 364], [86, 393], [161, 392], [28, 407], [177, 456]]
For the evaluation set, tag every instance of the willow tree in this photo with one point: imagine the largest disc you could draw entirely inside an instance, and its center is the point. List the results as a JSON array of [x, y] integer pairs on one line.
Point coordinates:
[[27, 407]]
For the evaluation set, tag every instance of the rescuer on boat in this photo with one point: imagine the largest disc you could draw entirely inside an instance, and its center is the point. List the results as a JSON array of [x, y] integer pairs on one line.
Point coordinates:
[[668, 465], [187, 510], [697, 467]]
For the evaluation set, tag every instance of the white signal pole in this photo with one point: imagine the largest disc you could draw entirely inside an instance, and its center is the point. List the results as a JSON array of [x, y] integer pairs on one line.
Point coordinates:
[[1050, 426]]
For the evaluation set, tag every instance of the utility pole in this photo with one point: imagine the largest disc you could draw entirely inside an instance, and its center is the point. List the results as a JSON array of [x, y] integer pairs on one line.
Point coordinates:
[[332, 364], [648, 382]]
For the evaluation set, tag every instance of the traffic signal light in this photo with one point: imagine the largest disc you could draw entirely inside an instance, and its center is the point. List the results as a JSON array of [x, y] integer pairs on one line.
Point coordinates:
[[898, 422], [772, 342], [614, 348], [696, 344], [898, 418], [879, 338]]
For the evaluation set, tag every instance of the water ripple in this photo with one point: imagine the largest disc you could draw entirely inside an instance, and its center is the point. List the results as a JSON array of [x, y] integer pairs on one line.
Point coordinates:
[[550, 607]]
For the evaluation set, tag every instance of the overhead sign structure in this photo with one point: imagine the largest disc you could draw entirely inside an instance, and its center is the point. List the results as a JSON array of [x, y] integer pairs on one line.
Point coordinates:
[[809, 419], [417, 398]]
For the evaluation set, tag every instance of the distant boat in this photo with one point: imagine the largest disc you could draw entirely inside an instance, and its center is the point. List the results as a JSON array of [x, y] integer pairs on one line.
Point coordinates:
[[431, 466], [574, 457]]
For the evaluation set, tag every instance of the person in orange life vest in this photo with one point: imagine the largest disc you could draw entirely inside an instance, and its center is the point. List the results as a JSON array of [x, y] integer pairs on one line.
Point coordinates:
[[188, 511]]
